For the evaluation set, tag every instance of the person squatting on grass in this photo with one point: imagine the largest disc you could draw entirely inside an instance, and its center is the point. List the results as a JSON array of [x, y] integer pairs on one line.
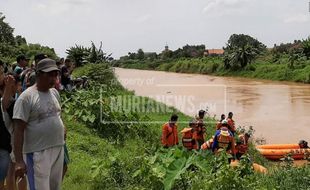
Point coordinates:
[[39, 131], [224, 140]]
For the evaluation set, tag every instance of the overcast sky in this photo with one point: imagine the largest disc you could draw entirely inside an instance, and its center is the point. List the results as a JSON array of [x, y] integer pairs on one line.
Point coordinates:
[[127, 25]]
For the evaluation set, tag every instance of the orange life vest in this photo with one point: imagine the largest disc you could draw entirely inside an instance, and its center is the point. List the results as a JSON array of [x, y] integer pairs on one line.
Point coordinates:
[[169, 135], [187, 139], [243, 147], [199, 133], [224, 141]]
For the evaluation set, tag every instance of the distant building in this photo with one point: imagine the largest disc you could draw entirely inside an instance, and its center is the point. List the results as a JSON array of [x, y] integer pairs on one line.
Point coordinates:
[[213, 52], [166, 48]]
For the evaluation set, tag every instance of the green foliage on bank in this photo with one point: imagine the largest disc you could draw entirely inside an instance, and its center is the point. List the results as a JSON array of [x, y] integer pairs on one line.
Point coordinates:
[[262, 68]]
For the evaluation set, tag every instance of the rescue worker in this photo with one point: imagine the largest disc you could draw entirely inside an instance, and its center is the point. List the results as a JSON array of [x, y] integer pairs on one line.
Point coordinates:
[[219, 123], [200, 130], [224, 140], [170, 132], [303, 144], [188, 140], [231, 123], [208, 144], [242, 145]]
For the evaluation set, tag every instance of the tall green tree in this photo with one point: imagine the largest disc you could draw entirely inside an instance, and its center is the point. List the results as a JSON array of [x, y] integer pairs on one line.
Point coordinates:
[[240, 57], [140, 54], [6, 32], [241, 50], [242, 40]]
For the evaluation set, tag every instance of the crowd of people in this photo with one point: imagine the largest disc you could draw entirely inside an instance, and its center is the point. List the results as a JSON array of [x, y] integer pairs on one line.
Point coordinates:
[[226, 137], [194, 136], [33, 153]]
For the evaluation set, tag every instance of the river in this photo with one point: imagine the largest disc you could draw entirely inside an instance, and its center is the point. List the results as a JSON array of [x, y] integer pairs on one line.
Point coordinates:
[[278, 111]]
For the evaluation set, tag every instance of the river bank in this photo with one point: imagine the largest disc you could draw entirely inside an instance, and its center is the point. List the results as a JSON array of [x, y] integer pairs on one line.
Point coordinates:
[[262, 68], [122, 154]]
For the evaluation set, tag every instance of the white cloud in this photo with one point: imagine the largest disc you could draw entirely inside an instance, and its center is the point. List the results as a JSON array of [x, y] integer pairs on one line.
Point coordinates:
[[298, 18], [224, 7], [57, 7]]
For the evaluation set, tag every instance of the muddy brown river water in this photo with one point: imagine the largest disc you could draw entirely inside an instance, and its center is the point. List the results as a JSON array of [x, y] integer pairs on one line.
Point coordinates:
[[279, 111]]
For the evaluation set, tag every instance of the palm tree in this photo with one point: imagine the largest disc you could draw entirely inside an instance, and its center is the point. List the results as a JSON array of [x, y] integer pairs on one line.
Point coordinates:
[[240, 57]]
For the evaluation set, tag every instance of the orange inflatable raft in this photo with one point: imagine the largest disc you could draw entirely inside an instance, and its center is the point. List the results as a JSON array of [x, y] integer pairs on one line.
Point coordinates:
[[278, 151]]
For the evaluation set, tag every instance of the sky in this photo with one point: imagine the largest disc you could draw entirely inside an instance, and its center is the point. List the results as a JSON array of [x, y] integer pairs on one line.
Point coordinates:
[[126, 25]]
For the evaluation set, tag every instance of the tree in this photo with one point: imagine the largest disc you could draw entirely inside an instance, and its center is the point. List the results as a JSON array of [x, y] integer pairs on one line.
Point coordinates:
[[78, 54], [242, 40], [240, 57], [6, 32], [306, 47], [11, 46], [241, 50], [131, 55], [30, 50], [81, 55], [293, 57], [97, 55], [20, 40], [140, 54], [189, 51]]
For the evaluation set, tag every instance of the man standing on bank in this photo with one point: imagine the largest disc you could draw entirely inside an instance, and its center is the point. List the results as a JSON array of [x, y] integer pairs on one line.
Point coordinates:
[[39, 131]]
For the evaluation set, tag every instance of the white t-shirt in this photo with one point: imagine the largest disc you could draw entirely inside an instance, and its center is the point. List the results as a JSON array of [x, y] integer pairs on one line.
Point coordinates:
[[41, 111]]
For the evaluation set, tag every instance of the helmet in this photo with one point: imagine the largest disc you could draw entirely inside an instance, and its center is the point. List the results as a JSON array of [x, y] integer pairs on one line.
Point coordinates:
[[224, 121], [224, 131]]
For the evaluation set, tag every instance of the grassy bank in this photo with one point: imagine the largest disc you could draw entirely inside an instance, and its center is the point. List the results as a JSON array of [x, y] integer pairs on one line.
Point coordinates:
[[263, 67], [119, 154]]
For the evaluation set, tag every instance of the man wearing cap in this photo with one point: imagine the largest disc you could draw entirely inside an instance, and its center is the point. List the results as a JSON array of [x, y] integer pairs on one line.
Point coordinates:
[[39, 130], [22, 63]]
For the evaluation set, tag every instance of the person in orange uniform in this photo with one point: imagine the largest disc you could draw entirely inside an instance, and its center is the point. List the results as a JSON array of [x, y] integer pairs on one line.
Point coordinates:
[[219, 123], [200, 130], [242, 145], [223, 139], [170, 132], [188, 140], [231, 123]]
